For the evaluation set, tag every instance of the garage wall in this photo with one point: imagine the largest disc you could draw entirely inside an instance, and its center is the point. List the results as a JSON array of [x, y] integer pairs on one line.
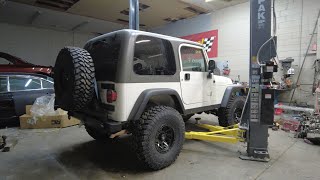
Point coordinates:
[[233, 29], [37, 45], [295, 25], [295, 22]]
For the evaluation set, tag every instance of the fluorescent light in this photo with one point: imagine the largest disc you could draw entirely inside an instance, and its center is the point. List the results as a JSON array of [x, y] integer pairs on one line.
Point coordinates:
[[28, 82], [209, 0], [143, 41]]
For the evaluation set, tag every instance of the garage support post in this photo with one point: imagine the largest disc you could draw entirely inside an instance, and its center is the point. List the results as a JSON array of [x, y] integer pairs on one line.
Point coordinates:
[[134, 14], [258, 112]]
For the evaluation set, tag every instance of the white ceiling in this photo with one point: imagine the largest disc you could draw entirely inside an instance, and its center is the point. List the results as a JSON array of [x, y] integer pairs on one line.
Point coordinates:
[[21, 14], [100, 16]]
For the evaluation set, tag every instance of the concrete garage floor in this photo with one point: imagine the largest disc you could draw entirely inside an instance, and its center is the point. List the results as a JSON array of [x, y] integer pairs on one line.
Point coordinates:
[[70, 153]]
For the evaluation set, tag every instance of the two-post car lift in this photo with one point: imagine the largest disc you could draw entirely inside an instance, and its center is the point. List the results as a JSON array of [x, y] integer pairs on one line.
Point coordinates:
[[258, 112]]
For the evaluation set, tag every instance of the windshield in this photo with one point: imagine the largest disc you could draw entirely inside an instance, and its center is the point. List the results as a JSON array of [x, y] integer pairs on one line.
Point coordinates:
[[105, 54]]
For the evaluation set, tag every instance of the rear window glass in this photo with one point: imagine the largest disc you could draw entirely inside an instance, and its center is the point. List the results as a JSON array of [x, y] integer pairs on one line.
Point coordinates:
[[153, 56], [105, 54], [23, 83]]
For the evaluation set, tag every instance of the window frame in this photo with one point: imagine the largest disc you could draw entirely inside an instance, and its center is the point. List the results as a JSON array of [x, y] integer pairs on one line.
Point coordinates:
[[8, 88], [168, 50], [26, 76], [205, 56], [41, 81]]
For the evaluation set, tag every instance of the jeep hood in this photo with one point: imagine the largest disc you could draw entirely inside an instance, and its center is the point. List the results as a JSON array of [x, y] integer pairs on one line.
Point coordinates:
[[222, 81]]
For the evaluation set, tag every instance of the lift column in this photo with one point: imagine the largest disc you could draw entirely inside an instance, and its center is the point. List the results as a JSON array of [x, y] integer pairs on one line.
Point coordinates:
[[259, 109], [134, 15]]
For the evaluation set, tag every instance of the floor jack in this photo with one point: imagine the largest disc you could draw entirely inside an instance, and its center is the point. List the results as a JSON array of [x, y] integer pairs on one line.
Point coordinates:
[[258, 112]]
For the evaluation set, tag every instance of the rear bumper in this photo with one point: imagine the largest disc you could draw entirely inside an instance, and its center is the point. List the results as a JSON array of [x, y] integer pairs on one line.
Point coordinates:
[[99, 122]]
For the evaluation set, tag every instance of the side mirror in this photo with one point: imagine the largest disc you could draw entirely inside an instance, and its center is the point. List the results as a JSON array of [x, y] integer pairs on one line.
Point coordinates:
[[212, 66]]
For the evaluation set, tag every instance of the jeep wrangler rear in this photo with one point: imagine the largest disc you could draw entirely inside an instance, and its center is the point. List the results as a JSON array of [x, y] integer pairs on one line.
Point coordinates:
[[145, 84]]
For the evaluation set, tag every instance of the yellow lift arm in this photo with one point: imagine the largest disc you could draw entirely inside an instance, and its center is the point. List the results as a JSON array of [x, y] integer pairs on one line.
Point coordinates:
[[231, 134]]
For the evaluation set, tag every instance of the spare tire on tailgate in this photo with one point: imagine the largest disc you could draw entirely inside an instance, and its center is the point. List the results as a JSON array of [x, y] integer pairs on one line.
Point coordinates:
[[74, 79]]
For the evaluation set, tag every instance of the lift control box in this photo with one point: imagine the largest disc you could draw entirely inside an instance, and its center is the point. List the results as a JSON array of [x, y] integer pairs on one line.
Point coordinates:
[[267, 107]]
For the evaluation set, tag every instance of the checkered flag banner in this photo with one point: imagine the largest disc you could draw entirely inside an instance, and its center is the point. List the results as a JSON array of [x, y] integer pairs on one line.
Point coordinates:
[[207, 43]]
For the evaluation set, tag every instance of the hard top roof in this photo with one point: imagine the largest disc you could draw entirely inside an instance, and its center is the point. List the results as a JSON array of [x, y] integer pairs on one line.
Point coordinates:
[[136, 32]]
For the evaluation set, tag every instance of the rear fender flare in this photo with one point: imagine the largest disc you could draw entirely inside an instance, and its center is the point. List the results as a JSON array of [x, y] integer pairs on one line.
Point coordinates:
[[144, 97]]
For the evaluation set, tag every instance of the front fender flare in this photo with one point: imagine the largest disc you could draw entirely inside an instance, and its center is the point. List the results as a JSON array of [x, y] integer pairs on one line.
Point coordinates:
[[228, 93]]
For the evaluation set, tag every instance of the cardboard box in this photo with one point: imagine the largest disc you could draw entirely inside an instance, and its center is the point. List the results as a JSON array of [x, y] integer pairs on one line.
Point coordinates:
[[27, 121], [60, 120], [28, 107], [28, 110]]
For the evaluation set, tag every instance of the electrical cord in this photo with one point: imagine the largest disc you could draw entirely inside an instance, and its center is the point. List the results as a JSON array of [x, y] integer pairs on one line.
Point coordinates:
[[274, 18], [258, 54], [274, 30], [275, 47]]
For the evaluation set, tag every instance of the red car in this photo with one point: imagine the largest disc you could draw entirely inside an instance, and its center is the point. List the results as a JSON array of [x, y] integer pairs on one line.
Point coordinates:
[[10, 63]]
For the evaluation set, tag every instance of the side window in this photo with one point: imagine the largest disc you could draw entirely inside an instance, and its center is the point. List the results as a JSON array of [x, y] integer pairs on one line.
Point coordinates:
[[47, 84], [192, 59], [24, 83], [3, 84], [153, 56]]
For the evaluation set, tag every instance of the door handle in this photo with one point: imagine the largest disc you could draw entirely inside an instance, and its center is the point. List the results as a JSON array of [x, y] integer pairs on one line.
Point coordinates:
[[187, 76]]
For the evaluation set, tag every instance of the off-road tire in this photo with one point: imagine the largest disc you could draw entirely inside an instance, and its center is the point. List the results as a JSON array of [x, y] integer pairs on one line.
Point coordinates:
[[187, 117], [146, 136], [226, 115], [74, 79]]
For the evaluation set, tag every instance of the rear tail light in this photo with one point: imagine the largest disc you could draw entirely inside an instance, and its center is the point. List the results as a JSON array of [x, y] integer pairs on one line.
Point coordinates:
[[111, 96]]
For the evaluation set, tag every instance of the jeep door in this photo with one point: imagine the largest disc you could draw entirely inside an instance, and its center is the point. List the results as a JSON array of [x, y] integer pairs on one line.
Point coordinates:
[[195, 85]]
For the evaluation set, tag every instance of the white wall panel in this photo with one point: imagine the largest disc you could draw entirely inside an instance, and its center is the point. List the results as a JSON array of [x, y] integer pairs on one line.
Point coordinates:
[[233, 26], [38, 46], [295, 22]]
